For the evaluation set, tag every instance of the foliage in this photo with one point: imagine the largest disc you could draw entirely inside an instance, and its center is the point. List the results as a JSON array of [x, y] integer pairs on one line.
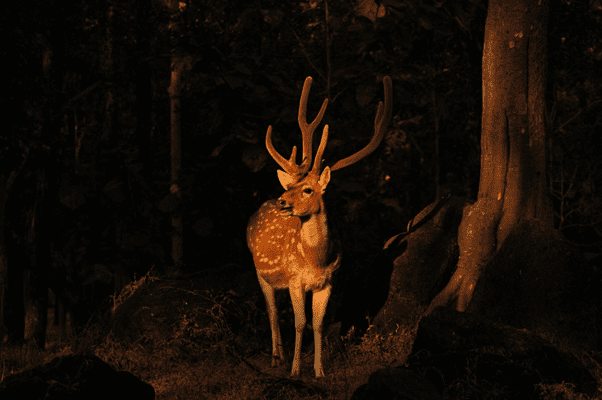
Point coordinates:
[[229, 366], [246, 62], [575, 101], [245, 65], [381, 350]]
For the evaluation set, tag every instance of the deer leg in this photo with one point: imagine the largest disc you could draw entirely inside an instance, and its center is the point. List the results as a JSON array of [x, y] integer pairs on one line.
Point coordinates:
[[320, 301], [298, 300], [270, 299]]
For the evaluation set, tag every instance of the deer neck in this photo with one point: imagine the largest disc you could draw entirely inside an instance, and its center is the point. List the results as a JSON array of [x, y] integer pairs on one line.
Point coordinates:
[[314, 230]]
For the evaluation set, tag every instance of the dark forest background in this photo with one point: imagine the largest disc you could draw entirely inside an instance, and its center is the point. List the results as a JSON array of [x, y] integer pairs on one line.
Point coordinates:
[[86, 138]]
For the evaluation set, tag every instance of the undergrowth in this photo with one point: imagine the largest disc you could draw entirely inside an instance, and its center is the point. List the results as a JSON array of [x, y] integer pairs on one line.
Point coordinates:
[[222, 351]]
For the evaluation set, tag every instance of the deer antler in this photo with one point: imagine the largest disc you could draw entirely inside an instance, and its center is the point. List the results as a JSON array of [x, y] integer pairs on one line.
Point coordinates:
[[383, 116], [318, 160], [307, 131]]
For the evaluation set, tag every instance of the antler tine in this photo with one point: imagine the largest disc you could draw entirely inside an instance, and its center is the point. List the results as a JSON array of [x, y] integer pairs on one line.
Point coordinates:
[[289, 166], [383, 116], [318, 160], [307, 130]]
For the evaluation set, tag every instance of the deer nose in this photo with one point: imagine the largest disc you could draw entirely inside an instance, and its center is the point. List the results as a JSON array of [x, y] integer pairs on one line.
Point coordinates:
[[282, 203]]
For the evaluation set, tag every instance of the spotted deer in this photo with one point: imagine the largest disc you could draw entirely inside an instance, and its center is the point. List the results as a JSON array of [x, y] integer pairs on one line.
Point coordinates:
[[292, 242]]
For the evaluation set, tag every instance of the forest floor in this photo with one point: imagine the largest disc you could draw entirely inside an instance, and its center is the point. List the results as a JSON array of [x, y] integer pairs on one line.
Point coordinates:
[[228, 368]]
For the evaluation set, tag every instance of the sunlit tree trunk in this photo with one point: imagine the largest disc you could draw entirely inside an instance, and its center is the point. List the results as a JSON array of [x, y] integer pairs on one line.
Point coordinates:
[[512, 184]]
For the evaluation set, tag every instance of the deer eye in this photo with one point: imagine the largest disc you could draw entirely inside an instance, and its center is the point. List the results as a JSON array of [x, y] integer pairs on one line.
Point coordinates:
[[307, 191]]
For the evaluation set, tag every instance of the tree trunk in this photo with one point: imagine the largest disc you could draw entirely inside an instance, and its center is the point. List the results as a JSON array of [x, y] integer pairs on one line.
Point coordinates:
[[144, 93], [3, 260], [512, 185], [14, 312], [60, 320], [10, 326], [175, 90], [107, 69], [41, 237]]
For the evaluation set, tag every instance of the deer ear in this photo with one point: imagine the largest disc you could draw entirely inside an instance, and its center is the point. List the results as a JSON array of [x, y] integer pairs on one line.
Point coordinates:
[[324, 178], [285, 179]]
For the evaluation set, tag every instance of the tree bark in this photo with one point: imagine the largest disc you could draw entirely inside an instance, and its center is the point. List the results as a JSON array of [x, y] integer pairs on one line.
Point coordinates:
[[10, 326], [4, 187], [175, 90], [41, 237], [512, 184], [108, 69], [144, 93]]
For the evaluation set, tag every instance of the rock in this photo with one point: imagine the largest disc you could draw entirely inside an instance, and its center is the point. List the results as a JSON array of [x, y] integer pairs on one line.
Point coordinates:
[[157, 306], [75, 377], [424, 260], [396, 383], [453, 349], [539, 282]]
